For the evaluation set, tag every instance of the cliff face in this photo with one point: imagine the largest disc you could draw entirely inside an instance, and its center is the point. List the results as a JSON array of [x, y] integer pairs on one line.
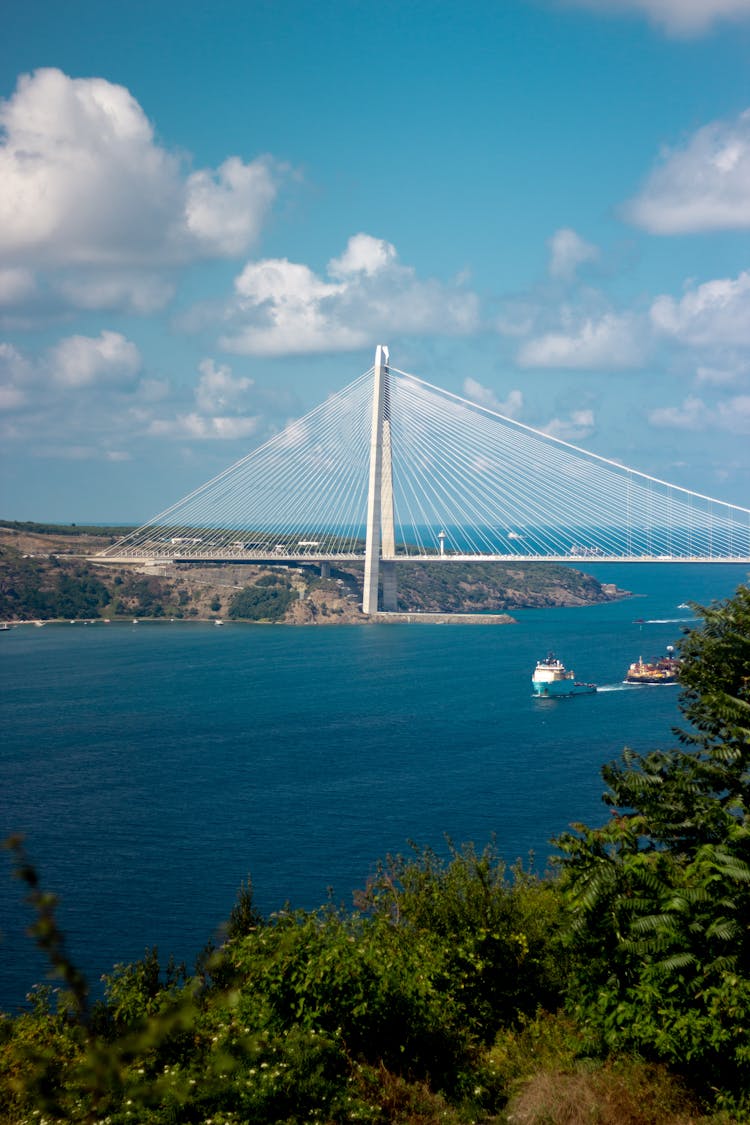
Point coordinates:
[[41, 578]]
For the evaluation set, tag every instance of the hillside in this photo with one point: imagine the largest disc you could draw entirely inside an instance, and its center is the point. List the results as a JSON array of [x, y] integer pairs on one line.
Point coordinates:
[[47, 573]]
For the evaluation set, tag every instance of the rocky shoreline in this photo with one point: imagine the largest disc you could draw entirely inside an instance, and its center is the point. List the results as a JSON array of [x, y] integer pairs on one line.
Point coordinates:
[[52, 576]]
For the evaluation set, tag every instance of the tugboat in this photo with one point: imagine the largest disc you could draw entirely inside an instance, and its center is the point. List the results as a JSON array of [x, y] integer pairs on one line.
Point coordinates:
[[663, 671], [551, 679]]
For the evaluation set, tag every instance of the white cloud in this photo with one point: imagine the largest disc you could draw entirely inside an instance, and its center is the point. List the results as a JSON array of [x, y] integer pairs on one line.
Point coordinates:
[[681, 18], [567, 252], [137, 292], [196, 426], [224, 210], [702, 186], [277, 281], [611, 341], [731, 415], [363, 254], [222, 400], [284, 308], [13, 365], [579, 425], [80, 361], [511, 408], [721, 376], [83, 182], [11, 397], [218, 390], [16, 285], [714, 314], [15, 374], [691, 415]]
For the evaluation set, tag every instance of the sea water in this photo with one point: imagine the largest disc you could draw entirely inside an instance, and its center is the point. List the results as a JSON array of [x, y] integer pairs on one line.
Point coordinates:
[[153, 767]]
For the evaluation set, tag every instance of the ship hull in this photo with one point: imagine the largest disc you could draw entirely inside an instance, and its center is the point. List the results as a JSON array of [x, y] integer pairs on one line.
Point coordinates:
[[653, 681], [559, 688]]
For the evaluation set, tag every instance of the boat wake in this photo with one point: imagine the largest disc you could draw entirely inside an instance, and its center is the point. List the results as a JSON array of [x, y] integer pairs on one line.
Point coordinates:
[[669, 620], [615, 687]]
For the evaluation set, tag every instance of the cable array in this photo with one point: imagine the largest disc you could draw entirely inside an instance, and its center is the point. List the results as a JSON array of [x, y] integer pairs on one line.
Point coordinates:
[[303, 492], [467, 482], [494, 486]]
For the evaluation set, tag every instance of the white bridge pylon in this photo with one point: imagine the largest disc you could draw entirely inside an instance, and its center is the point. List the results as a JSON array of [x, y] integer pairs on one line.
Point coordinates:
[[392, 468]]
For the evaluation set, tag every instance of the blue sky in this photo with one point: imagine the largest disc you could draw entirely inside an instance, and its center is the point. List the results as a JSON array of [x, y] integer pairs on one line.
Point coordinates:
[[211, 214]]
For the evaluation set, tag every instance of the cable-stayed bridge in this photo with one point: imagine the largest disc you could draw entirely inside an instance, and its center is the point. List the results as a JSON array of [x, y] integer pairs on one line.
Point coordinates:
[[392, 468]]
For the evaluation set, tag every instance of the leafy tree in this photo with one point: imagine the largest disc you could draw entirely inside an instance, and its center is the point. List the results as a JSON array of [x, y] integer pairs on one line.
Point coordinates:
[[500, 928], [262, 602], [660, 895]]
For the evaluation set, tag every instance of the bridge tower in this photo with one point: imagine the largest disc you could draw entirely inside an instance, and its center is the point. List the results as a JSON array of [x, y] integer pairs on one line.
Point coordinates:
[[380, 544]]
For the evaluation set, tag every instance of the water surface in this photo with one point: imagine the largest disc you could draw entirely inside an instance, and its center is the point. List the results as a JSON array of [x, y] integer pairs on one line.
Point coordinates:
[[152, 767]]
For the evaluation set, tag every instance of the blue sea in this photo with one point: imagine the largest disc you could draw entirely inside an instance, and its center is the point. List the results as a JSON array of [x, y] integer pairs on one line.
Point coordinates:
[[154, 767]]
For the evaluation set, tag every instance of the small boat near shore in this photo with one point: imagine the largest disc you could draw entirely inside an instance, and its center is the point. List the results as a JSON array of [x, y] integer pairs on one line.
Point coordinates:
[[662, 671], [551, 679]]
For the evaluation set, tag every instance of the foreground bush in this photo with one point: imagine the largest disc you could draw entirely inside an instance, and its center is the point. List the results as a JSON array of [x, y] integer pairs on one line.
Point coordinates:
[[660, 895], [324, 1015], [457, 990]]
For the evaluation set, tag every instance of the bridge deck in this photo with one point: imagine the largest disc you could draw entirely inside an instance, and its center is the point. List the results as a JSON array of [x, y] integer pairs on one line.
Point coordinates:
[[279, 557]]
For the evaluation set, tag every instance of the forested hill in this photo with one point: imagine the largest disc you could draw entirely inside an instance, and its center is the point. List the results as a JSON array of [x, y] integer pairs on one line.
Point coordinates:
[[499, 587], [47, 573]]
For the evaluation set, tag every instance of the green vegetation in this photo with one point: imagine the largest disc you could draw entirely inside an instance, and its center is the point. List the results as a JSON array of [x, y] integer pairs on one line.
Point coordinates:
[[615, 991], [56, 587], [447, 587], [34, 588], [660, 896], [74, 529], [267, 600]]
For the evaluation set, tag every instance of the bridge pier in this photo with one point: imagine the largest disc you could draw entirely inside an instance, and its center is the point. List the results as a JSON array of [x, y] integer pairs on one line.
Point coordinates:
[[325, 570], [389, 586], [380, 530]]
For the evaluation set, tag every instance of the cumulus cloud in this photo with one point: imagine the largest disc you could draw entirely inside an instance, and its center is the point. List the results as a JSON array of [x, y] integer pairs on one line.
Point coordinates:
[[731, 415], [81, 398], [285, 308], [224, 210], [691, 415], [127, 290], [195, 425], [83, 181], [704, 185], [610, 341], [576, 427], [364, 255], [681, 18], [223, 402], [722, 375], [11, 397], [511, 407], [16, 285], [15, 374], [91, 388], [218, 390], [80, 361], [567, 252], [714, 314]]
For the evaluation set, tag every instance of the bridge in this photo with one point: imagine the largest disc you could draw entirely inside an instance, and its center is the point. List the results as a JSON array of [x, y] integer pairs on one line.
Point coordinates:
[[393, 469]]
